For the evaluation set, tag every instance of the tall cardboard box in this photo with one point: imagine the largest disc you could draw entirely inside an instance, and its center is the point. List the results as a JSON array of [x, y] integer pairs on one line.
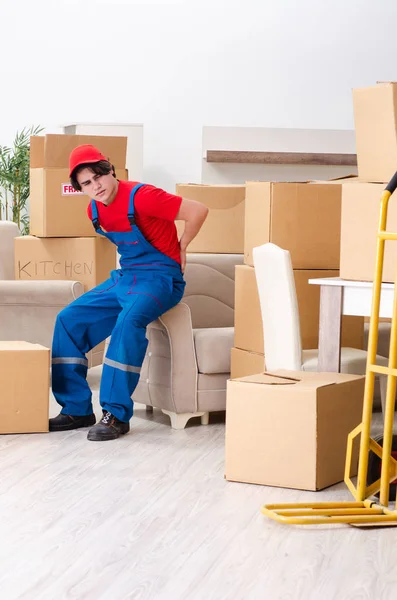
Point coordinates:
[[360, 224], [375, 117], [223, 229], [289, 429], [244, 362], [88, 260], [56, 209], [25, 387], [53, 150], [248, 328], [303, 218]]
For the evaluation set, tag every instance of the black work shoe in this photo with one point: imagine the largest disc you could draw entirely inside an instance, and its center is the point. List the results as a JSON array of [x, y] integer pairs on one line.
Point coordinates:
[[108, 428], [67, 422]]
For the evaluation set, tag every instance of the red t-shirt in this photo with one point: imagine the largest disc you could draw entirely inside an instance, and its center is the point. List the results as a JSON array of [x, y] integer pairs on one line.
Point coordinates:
[[154, 210]]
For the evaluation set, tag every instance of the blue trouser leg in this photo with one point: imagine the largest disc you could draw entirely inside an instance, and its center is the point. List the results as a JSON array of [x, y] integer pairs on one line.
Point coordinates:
[[79, 327], [144, 301]]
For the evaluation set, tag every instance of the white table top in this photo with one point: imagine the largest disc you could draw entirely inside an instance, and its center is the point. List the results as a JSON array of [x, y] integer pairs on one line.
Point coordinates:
[[337, 281], [357, 296]]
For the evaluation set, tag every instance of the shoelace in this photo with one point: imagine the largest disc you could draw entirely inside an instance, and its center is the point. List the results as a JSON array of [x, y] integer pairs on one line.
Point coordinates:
[[106, 417]]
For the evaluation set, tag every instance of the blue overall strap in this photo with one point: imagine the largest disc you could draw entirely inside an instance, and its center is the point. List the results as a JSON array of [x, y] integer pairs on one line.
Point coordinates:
[[131, 211], [94, 215]]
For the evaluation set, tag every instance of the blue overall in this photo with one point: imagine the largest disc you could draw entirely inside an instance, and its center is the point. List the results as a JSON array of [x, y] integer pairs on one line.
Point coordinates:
[[148, 284]]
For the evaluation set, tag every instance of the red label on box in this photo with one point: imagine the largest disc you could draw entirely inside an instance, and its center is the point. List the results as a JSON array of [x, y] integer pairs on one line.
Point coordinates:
[[68, 190]]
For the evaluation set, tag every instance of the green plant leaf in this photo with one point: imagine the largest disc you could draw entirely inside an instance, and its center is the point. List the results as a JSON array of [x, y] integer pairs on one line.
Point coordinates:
[[14, 177]]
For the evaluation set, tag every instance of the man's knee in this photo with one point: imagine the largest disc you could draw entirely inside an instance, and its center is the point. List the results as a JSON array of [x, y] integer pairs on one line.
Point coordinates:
[[66, 315]]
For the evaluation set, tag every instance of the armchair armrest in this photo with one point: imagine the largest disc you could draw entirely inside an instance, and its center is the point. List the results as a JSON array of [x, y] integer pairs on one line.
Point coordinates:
[[28, 309], [39, 292], [184, 373]]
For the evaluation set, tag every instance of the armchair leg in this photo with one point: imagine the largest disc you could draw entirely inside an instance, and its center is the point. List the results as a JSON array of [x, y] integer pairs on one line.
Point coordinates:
[[149, 408], [205, 418], [179, 420]]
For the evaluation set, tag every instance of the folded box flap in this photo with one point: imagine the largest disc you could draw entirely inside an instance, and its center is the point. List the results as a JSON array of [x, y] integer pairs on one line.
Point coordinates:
[[304, 379], [268, 379], [318, 379]]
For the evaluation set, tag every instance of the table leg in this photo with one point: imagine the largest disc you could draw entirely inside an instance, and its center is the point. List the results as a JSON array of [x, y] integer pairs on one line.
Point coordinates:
[[329, 343]]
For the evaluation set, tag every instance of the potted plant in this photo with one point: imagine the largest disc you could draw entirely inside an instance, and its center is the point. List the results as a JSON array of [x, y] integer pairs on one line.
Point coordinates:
[[14, 179]]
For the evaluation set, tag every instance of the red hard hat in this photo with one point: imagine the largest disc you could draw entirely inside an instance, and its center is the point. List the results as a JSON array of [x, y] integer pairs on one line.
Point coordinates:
[[84, 154]]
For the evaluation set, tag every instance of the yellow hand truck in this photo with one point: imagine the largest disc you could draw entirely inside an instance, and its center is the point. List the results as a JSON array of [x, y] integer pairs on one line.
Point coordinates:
[[365, 510]]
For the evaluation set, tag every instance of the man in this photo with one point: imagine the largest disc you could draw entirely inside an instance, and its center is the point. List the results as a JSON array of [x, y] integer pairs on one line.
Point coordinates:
[[139, 219]]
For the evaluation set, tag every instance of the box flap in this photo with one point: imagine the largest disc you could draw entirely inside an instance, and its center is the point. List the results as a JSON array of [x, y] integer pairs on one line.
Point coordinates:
[[268, 379], [305, 379], [36, 151], [348, 178], [318, 379]]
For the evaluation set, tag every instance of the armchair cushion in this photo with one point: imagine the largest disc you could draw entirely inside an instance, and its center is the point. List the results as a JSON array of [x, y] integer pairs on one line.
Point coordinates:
[[213, 347]]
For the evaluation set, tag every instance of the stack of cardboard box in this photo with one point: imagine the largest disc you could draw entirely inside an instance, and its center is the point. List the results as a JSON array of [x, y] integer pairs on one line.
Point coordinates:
[[290, 429], [295, 416], [375, 115], [302, 419], [285, 414], [63, 243], [303, 218]]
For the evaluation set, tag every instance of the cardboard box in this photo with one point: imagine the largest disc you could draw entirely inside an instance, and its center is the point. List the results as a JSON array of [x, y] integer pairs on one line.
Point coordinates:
[[375, 117], [300, 217], [88, 260], [223, 229], [53, 150], [248, 327], [360, 223], [245, 363], [25, 387], [289, 429], [56, 209]]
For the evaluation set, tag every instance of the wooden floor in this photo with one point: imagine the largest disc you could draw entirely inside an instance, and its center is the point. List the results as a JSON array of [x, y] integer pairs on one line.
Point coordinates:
[[150, 516]]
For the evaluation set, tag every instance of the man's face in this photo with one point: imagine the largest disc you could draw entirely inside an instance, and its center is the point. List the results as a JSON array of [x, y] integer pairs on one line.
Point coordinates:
[[102, 188]]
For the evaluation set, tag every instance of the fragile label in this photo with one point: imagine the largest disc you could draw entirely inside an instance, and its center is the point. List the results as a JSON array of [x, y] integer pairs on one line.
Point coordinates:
[[68, 190]]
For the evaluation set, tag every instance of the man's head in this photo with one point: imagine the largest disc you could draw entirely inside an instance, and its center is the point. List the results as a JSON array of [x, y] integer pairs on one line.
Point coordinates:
[[90, 172]]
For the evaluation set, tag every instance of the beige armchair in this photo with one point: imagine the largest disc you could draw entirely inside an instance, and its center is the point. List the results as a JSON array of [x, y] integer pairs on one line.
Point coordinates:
[[28, 309], [187, 361]]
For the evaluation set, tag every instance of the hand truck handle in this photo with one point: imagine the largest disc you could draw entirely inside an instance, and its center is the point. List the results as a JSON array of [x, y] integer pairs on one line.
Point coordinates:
[[392, 185]]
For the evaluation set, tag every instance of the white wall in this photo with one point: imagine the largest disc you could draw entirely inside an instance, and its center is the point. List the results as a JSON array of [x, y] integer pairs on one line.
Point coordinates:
[[176, 66]]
